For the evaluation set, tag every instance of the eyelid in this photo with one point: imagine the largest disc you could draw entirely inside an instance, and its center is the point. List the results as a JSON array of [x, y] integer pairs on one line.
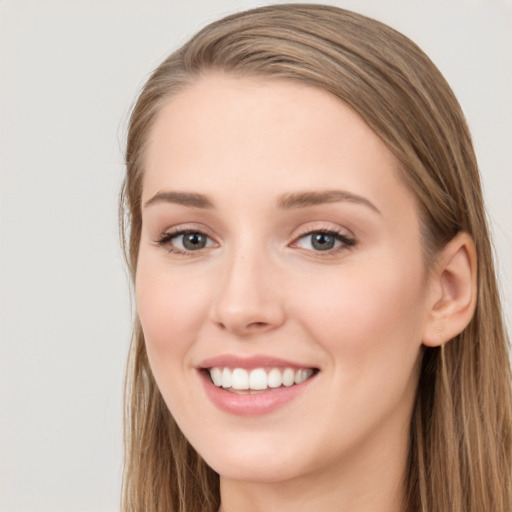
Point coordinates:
[[322, 226], [187, 227], [165, 237]]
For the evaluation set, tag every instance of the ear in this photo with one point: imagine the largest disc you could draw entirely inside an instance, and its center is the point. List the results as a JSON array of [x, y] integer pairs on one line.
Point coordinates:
[[452, 291]]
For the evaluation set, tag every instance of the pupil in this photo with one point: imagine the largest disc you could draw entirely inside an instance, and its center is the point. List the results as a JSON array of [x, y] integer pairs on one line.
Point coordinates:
[[322, 242], [194, 241]]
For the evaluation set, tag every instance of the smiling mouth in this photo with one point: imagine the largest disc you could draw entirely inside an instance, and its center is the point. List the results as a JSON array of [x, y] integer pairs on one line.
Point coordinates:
[[258, 380]]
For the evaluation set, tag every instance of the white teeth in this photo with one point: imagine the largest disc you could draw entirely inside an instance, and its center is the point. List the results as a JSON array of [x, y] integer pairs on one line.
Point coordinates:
[[302, 375], [226, 378], [258, 379], [240, 379], [288, 377], [274, 378], [216, 375]]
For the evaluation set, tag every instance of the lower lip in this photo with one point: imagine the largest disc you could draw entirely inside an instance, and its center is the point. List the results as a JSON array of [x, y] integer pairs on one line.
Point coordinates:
[[248, 404]]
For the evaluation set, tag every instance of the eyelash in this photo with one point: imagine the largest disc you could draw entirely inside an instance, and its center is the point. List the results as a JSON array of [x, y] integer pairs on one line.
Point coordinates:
[[165, 239], [345, 241]]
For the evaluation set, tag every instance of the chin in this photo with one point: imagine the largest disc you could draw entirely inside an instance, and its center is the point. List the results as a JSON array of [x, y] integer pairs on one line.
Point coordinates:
[[256, 471], [256, 459]]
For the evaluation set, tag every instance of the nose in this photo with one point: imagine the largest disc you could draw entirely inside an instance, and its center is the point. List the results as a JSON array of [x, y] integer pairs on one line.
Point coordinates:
[[249, 299]]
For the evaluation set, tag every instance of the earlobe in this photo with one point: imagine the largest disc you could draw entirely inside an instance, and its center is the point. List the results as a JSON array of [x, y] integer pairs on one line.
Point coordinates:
[[452, 291]]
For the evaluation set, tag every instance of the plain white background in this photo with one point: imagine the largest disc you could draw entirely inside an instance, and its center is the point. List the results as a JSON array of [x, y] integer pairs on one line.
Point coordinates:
[[69, 72]]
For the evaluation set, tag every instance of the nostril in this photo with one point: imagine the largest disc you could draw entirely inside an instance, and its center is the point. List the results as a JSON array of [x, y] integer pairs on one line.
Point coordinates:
[[248, 328], [258, 325]]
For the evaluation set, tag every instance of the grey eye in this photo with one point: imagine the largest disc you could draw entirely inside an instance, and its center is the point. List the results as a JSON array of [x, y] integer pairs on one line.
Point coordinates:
[[322, 241], [191, 241]]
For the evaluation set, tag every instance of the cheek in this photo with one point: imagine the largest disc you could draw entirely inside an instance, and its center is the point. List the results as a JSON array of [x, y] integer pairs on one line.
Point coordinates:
[[368, 318], [369, 325], [170, 310]]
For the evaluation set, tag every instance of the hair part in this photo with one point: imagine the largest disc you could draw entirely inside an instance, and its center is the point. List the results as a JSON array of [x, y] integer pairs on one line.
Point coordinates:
[[461, 445]]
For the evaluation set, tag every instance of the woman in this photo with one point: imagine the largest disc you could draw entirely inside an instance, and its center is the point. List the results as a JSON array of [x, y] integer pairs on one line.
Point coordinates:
[[318, 319]]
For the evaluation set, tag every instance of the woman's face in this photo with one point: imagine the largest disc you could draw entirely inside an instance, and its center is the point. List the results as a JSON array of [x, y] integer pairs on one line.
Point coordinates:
[[278, 243]]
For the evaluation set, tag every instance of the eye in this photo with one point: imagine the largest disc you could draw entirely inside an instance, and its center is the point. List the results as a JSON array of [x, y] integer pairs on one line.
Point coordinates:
[[323, 241], [185, 241]]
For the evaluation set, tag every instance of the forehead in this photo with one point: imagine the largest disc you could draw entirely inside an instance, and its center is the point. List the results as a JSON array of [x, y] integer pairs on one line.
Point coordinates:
[[226, 133]]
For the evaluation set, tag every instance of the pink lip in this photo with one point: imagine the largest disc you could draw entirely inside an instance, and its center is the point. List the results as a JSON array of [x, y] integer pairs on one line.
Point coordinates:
[[255, 361], [250, 404]]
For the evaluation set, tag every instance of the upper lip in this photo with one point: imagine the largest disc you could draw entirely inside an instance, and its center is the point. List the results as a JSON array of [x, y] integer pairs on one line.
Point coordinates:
[[249, 362]]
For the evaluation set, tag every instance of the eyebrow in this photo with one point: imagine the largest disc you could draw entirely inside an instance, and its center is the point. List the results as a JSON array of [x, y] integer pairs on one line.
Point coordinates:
[[184, 198], [286, 201], [305, 199]]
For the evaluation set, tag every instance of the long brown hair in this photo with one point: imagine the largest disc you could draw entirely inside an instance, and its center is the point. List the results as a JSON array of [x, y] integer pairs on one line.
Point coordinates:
[[460, 441]]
